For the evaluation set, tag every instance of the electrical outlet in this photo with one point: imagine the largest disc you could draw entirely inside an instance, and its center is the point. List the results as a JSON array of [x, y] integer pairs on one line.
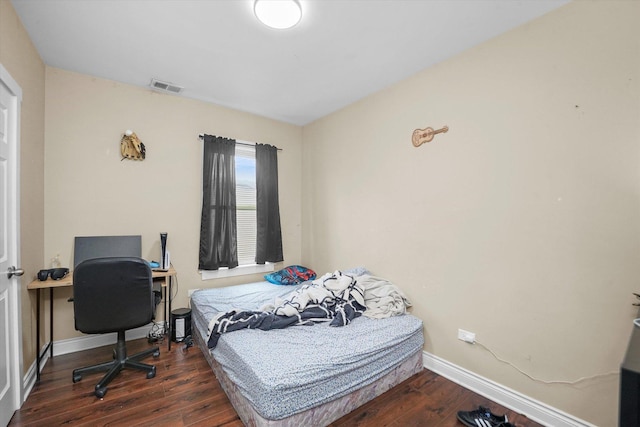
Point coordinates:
[[466, 336]]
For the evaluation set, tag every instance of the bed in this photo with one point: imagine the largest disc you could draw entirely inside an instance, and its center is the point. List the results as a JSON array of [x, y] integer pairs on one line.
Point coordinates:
[[303, 375]]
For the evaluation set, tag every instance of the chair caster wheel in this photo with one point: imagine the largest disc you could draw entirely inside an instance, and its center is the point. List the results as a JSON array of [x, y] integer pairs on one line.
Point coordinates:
[[76, 378], [100, 392], [156, 354], [151, 373]]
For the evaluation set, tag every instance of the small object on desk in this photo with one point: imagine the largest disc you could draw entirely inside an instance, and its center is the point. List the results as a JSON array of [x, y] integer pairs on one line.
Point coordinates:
[[55, 273], [154, 264]]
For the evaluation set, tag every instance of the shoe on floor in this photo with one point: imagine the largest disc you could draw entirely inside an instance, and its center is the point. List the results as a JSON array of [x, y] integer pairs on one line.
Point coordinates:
[[482, 417]]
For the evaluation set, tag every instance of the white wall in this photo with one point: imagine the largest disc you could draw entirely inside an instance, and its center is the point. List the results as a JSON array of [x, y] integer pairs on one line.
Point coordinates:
[[522, 223]]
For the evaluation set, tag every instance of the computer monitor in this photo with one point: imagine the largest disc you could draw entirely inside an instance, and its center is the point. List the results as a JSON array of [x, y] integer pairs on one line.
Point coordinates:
[[106, 246]]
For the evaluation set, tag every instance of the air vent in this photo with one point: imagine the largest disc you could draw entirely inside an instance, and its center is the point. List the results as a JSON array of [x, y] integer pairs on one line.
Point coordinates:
[[165, 86]]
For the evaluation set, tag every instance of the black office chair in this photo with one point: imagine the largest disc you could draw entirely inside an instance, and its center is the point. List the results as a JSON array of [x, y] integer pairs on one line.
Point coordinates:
[[113, 295]]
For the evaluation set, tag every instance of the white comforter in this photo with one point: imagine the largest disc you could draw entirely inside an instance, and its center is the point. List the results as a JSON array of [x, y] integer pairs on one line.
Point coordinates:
[[382, 298]]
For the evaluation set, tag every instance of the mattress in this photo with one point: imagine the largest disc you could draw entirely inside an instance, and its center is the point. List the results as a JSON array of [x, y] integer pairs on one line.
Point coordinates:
[[284, 372]]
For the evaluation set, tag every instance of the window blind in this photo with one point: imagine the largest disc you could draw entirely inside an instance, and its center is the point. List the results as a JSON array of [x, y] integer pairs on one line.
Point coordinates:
[[246, 203]]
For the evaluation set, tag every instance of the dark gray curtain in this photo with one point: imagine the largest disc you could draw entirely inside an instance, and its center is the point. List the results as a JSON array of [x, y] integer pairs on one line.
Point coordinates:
[[269, 236], [218, 234]]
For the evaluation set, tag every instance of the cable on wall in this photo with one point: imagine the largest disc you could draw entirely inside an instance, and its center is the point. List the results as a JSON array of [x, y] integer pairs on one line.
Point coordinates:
[[531, 377]]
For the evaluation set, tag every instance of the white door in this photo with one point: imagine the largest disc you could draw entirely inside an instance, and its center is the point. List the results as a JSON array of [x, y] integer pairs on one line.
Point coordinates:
[[10, 343]]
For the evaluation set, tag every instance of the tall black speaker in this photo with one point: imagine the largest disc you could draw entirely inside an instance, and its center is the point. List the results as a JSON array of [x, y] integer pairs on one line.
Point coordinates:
[[629, 415], [163, 246], [629, 398]]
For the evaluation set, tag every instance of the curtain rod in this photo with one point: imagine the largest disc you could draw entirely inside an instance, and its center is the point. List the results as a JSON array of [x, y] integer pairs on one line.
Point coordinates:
[[250, 144]]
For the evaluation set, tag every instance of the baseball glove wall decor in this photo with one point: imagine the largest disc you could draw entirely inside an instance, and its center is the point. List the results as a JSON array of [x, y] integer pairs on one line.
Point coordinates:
[[131, 147]]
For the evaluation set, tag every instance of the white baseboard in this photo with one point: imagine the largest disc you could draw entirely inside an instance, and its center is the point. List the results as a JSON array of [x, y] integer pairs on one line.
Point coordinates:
[[29, 380], [533, 409], [72, 345]]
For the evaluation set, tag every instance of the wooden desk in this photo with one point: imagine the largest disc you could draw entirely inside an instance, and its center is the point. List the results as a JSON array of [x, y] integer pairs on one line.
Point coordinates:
[[67, 281]]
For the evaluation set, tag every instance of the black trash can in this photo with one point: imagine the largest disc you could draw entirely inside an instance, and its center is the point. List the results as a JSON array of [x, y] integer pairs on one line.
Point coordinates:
[[180, 324]]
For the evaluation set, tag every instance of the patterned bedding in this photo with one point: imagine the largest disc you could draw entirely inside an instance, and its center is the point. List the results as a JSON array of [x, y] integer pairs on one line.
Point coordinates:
[[336, 298], [287, 371]]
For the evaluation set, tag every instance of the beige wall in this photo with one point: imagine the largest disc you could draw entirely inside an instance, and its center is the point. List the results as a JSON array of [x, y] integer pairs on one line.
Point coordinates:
[[522, 223], [21, 60], [90, 191]]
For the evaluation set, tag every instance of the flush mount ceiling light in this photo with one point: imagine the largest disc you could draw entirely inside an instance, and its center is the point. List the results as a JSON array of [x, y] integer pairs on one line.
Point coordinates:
[[279, 14]]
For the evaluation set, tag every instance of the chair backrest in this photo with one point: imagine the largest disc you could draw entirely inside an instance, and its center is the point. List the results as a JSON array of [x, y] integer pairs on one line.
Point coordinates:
[[112, 294]]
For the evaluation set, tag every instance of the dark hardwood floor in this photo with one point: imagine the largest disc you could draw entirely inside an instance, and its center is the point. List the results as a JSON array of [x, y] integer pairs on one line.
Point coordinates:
[[186, 393]]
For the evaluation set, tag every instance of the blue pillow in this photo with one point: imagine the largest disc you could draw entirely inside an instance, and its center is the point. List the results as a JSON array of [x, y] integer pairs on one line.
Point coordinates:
[[291, 275]]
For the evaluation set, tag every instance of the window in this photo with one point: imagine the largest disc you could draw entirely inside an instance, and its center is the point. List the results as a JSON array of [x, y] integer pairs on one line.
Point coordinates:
[[246, 204], [240, 223]]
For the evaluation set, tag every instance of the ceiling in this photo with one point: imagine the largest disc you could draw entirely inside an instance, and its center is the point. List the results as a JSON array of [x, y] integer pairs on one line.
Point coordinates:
[[341, 51]]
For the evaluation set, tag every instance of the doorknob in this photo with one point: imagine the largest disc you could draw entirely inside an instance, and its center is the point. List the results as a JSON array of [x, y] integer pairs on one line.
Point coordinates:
[[12, 271]]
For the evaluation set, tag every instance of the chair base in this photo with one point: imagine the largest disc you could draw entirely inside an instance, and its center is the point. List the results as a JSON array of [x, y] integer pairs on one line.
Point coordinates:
[[119, 362]]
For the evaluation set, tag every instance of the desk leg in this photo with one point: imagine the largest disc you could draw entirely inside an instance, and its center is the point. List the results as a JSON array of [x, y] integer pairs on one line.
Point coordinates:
[[51, 321], [170, 281], [38, 335], [164, 319], [49, 346]]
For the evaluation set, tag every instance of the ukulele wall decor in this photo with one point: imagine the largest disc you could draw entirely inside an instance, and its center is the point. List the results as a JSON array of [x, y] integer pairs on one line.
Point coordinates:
[[420, 136]]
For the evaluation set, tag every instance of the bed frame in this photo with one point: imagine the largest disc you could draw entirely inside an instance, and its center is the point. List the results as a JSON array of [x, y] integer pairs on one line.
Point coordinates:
[[321, 415]]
